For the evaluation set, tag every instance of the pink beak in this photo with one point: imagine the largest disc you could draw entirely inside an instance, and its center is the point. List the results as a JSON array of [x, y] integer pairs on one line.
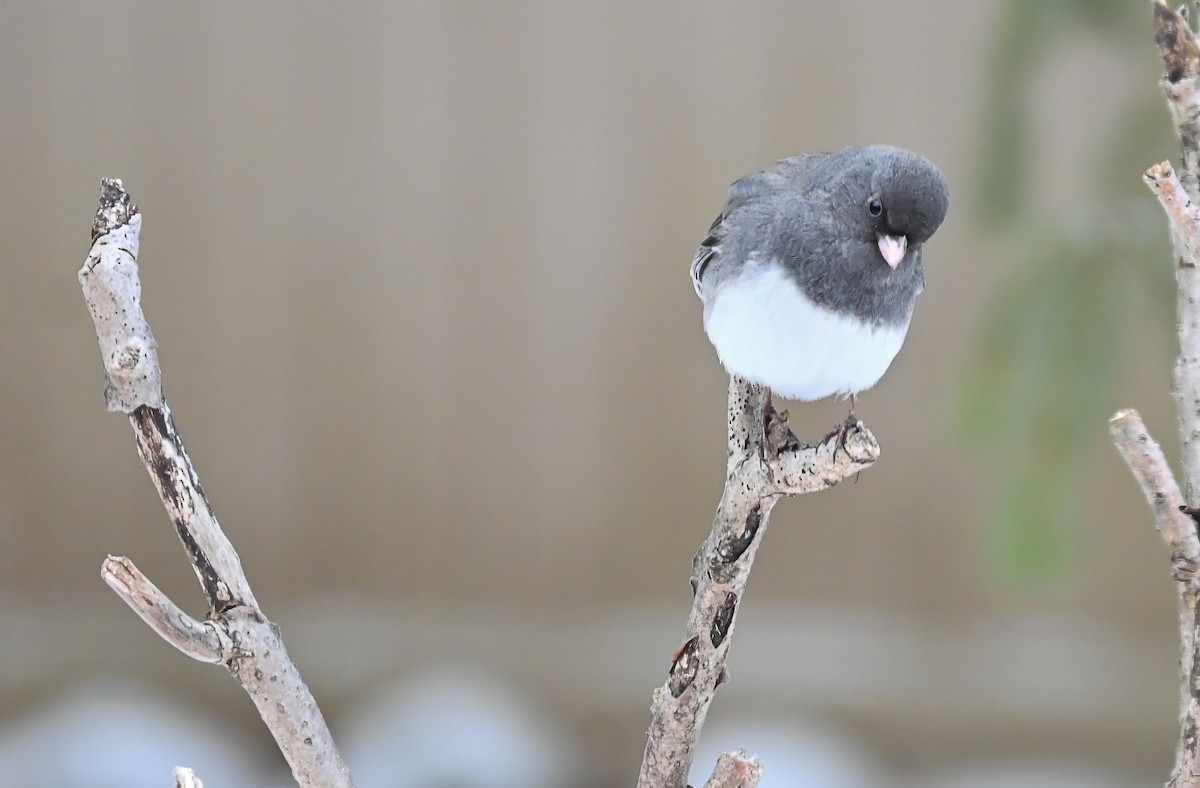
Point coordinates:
[[893, 247]]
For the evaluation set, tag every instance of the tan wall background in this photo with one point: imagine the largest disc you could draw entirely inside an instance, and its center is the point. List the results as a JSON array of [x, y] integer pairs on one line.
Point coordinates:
[[418, 273]]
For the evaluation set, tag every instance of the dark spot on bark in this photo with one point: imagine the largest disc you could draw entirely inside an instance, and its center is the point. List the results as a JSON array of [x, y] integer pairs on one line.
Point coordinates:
[[155, 432], [152, 426], [1194, 514], [735, 546], [723, 619], [734, 549], [1176, 44], [684, 668]]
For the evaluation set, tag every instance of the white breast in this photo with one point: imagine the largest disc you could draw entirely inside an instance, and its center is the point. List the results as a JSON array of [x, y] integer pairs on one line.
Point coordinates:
[[766, 330]]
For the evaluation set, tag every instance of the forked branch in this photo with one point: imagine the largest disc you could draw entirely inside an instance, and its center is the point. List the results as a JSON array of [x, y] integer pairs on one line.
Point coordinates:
[[1178, 194], [235, 634], [766, 462]]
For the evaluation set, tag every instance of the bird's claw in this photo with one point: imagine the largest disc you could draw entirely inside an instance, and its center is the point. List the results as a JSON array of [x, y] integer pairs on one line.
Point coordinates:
[[842, 432]]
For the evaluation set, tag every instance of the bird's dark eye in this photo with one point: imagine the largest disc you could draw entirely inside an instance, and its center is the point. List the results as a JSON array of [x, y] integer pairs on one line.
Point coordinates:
[[875, 207]]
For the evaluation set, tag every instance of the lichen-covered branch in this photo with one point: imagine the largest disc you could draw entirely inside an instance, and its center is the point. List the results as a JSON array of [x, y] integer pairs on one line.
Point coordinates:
[[236, 633], [766, 462]]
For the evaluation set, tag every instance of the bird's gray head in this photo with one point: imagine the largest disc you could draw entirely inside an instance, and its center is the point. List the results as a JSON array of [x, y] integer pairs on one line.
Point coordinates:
[[897, 198]]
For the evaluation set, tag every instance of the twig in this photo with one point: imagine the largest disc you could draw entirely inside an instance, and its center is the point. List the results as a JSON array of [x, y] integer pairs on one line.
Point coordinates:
[[735, 770], [236, 633], [766, 462], [200, 641], [1183, 216], [1149, 468]]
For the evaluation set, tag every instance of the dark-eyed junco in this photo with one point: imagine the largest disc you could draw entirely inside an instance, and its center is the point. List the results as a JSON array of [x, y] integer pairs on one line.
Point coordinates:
[[810, 274]]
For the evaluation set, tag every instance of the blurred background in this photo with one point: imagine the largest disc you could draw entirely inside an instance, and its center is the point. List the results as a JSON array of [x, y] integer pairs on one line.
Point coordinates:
[[418, 274]]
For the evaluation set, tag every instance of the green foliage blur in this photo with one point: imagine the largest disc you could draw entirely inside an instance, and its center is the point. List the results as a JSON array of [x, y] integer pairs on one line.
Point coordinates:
[[1041, 384]]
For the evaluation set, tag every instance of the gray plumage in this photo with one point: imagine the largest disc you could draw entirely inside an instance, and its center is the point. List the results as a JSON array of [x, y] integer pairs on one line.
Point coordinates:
[[811, 213], [810, 274]]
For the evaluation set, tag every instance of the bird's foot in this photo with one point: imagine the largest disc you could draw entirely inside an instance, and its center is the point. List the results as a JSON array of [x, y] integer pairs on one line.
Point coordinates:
[[842, 431]]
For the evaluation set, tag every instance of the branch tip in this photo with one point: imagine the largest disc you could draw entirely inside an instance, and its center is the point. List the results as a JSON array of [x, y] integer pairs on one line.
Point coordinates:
[[736, 770], [1145, 460], [1157, 172], [115, 210], [201, 641], [860, 444], [1182, 215]]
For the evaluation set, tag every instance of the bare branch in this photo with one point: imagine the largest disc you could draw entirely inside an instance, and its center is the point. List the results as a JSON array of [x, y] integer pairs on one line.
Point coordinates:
[[766, 462], [1180, 83], [113, 294], [200, 641], [1149, 468], [735, 770], [236, 634]]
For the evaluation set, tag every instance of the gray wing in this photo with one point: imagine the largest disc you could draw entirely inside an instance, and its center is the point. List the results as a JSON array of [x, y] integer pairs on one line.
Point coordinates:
[[739, 230]]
